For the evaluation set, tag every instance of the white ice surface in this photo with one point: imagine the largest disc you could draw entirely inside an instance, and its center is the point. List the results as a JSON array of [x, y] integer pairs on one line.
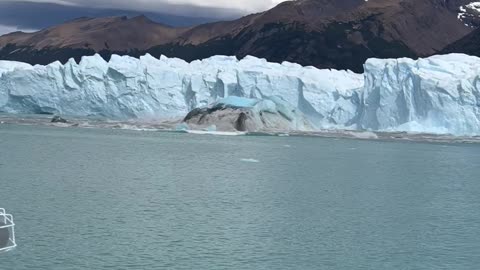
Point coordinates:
[[440, 94]]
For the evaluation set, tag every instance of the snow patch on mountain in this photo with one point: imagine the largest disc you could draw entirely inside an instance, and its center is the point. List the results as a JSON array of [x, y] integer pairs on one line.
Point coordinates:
[[470, 14]]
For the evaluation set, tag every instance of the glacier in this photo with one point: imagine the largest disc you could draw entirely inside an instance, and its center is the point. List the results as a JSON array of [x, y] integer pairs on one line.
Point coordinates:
[[439, 94]]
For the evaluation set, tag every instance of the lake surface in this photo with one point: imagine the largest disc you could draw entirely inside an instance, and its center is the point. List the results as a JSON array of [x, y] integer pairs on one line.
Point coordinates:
[[113, 199]]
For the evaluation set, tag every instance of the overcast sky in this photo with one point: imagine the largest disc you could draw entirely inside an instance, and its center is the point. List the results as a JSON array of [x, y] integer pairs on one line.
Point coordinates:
[[4, 29], [246, 6], [32, 15]]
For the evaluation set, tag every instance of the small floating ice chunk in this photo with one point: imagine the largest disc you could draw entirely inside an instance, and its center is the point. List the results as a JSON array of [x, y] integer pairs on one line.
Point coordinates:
[[251, 160], [182, 127], [363, 135], [218, 133], [211, 128]]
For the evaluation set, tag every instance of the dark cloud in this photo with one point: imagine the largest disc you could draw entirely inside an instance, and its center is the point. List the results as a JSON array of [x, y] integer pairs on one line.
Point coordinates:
[[5, 29], [17, 15], [242, 5], [38, 14]]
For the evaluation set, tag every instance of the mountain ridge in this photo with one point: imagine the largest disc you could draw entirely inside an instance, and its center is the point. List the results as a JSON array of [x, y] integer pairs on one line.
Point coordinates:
[[321, 33], [40, 15], [470, 44]]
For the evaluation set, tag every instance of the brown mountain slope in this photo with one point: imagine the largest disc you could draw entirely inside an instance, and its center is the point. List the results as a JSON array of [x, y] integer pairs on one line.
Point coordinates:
[[470, 44], [114, 33], [323, 33]]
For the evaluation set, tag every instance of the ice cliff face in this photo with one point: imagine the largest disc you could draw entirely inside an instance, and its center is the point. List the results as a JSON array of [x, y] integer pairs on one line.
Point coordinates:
[[440, 94], [437, 94], [7, 66], [126, 87]]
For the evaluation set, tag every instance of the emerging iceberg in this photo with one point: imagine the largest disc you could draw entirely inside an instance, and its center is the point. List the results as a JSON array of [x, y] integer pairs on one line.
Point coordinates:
[[440, 94], [251, 115]]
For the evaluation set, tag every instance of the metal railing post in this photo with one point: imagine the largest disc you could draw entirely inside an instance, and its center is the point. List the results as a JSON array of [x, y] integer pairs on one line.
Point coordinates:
[[9, 225]]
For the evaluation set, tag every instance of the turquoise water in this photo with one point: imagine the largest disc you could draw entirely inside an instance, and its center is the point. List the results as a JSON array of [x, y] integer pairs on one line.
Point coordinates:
[[109, 199]]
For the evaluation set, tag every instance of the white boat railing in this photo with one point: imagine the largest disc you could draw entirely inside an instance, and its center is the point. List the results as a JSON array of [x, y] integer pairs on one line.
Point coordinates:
[[6, 223]]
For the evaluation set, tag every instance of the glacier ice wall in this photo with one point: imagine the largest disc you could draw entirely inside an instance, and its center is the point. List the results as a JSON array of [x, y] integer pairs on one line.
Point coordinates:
[[440, 94], [127, 87], [7, 66]]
